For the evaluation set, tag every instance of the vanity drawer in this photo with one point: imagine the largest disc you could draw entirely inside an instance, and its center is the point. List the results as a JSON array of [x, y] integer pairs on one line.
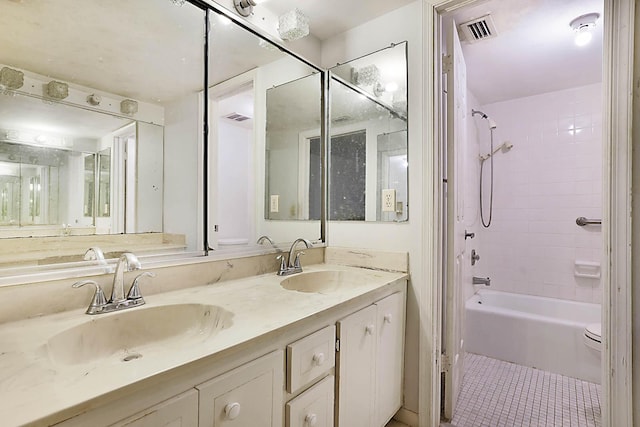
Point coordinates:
[[310, 358], [314, 407]]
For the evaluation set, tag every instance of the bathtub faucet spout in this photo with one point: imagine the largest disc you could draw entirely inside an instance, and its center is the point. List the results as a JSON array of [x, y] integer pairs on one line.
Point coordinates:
[[482, 281]]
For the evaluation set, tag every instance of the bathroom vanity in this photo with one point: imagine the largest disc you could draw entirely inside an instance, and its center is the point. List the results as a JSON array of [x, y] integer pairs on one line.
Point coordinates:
[[321, 348]]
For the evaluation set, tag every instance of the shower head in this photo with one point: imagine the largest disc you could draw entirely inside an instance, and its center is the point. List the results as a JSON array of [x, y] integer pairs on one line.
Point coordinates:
[[506, 147], [492, 124]]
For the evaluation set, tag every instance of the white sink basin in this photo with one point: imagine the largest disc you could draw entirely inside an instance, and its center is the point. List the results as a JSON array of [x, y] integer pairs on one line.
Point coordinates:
[[322, 281], [129, 334]]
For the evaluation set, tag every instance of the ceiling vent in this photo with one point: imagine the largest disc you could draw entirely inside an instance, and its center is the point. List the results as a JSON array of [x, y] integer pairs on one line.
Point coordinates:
[[237, 117], [478, 29]]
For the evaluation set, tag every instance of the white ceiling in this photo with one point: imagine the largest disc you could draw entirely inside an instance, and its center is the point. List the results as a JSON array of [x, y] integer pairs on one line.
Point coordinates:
[[534, 51], [156, 56], [330, 17]]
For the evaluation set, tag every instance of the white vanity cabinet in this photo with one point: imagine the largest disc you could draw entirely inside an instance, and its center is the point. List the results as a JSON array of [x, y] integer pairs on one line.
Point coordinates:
[[314, 407], [308, 360], [248, 396], [370, 363]]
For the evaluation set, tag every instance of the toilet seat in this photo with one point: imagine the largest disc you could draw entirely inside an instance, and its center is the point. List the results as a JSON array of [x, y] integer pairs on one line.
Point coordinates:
[[593, 336]]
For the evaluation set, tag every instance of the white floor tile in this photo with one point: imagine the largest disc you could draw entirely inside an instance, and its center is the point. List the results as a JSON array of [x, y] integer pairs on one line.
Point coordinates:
[[497, 393]]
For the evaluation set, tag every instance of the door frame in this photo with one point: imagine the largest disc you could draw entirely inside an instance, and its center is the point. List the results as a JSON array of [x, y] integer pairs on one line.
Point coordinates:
[[618, 57]]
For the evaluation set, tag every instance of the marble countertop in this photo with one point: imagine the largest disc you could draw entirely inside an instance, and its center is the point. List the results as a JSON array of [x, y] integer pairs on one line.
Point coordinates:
[[34, 387]]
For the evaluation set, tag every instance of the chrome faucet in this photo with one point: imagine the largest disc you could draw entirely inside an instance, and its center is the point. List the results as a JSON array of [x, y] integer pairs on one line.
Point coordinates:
[[94, 253], [99, 304], [292, 264], [261, 240], [127, 262], [482, 281]]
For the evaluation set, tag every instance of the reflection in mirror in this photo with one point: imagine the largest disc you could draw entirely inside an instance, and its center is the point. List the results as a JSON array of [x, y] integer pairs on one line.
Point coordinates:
[[90, 108], [368, 157], [293, 143], [262, 101]]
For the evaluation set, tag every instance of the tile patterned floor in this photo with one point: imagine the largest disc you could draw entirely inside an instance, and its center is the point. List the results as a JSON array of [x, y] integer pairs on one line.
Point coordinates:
[[497, 393]]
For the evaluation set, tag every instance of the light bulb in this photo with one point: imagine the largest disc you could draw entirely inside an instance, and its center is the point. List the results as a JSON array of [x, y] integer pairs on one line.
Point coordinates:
[[391, 87], [583, 37]]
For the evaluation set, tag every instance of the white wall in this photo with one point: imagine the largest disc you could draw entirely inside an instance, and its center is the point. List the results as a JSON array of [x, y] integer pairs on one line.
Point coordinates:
[[552, 175], [182, 134], [149, 179], [397, 26]]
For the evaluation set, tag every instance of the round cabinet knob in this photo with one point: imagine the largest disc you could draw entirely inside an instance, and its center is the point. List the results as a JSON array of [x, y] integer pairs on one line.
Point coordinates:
[[232, 410], [318, 359], [388, 318], [369, 329], [311, 420]]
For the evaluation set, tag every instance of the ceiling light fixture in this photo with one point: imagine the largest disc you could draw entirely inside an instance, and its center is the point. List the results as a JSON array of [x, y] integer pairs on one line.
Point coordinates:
[[583, 26], [293, 25]]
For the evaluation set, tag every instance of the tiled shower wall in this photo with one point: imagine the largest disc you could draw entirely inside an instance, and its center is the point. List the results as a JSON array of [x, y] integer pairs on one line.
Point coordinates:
[[551, 176]]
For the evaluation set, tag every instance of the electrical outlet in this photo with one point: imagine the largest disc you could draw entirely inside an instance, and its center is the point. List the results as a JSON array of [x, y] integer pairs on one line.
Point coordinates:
[[275, 200], [389, 200]]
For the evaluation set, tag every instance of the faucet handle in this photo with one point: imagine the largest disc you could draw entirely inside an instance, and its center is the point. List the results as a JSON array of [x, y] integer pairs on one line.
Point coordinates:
[[98, 300], [134, 291], [283, 264], [296, 263]]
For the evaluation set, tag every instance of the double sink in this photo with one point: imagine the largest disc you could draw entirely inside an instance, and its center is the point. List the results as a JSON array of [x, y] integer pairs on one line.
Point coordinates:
[[131, 334]]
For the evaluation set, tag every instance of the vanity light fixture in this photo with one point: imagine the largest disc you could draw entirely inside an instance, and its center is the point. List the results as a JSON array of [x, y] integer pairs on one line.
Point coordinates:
[[293, 25], [56, 90], [129, 106], [365, 76], [244, 7], [11, 79], [583, 26], [94, 99]]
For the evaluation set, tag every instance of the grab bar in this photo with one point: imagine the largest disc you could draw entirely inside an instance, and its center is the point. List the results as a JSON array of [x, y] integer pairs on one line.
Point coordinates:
[[582, 221]]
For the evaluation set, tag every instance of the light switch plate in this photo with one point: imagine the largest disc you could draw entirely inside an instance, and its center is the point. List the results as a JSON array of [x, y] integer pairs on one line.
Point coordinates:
[[275, 199]]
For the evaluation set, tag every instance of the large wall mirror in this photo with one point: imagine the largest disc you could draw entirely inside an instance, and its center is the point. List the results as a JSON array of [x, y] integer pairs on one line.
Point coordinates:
[[367, 154], [99, 106]]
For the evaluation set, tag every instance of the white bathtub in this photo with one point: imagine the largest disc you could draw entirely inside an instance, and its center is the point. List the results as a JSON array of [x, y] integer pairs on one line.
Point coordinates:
[[543, 333]]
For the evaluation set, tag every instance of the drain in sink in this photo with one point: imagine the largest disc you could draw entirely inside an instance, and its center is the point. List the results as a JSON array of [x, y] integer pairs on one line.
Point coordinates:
[[131, 356]]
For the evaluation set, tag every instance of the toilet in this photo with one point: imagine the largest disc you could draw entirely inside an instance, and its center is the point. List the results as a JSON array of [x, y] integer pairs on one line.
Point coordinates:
[[593, 336]]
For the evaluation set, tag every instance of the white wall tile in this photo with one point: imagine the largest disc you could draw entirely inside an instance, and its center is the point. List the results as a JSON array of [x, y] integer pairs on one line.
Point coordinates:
[[552, 175]]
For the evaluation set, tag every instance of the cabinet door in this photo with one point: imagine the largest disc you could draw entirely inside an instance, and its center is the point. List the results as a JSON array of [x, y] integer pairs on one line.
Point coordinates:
[[314, 407], [248, 396], [180, 411], [356, 368], [389, 357]]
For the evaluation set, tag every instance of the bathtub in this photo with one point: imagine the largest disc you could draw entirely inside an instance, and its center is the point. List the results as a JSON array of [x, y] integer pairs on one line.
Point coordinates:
[[539, 332]]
